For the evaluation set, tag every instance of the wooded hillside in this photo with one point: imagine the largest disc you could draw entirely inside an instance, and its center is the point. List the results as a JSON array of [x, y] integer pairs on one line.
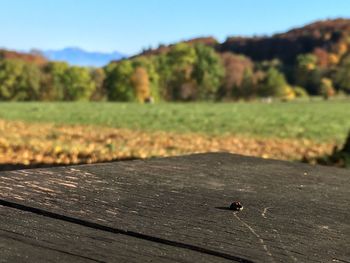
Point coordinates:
[[311, 60]]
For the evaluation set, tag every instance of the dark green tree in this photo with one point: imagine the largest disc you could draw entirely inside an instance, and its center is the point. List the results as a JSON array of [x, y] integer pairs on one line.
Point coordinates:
[[78, 84], [274, 84], [181, 59], [308, 74], [98, 77], [342, 78], [28, 87], [19, 80], [53, 82], [10, 72], [248, 87], [208, 72], [118, 81]]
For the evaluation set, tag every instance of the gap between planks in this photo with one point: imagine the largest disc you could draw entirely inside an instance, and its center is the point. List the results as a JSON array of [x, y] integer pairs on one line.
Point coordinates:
[[113, 230]]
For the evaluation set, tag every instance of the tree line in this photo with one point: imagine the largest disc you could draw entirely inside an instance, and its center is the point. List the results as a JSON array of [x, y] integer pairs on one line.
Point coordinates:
[[185, 72]]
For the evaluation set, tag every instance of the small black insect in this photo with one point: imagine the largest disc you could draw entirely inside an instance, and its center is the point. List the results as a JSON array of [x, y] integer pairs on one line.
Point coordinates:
[[236, 206]]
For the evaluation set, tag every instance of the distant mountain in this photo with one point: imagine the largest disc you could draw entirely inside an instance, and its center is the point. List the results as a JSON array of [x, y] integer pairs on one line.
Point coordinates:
[[79, 57]]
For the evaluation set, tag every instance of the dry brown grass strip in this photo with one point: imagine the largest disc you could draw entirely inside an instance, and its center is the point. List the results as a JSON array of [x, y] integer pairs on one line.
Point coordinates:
[[22, 143]]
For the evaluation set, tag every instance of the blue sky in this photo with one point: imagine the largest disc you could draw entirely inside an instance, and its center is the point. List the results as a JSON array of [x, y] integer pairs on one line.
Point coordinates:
[[130, 25]]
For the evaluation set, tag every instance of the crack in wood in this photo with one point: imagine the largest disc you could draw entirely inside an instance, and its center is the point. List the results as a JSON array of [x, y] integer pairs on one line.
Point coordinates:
[[257, 235], [263, 214], [123, 232]]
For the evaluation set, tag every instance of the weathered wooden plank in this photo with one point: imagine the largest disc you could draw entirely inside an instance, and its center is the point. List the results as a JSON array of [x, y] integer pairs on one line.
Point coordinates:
[[26, 237], [292, 212]]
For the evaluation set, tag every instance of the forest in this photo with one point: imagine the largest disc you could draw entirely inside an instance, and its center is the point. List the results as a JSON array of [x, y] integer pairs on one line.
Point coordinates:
[[308, 61]]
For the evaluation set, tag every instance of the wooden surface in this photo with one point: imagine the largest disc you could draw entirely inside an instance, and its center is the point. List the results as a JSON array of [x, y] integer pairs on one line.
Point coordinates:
[[175, 210]]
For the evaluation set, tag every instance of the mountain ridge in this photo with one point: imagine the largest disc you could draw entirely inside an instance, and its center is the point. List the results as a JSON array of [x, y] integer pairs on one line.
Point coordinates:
[[79, 57]]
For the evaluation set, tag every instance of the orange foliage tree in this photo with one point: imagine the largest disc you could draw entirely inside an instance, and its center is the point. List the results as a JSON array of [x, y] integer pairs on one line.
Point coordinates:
[[140, 81], [236, 67]]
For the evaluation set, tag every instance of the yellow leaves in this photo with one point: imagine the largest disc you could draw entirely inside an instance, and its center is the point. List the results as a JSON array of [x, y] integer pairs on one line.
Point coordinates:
[[340, 48], [140, 81], [333, 59], [57, 149], [3, 143], [265, 156], [288, 93], [30, 144], [310, 66], [26, 162], [327, 89]]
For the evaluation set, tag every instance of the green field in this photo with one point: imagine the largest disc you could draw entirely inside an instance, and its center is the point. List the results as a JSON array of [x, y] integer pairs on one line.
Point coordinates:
[[316, 120]]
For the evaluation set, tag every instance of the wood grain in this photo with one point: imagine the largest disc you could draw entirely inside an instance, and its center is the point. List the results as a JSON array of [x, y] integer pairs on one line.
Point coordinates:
[[26, 237], [292, 212]]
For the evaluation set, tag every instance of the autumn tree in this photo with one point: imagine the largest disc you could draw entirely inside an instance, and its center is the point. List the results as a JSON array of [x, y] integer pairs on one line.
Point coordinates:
[[149, 64], [236, 68], [190, 72], [140, 82], [322, 58], [326, 89]]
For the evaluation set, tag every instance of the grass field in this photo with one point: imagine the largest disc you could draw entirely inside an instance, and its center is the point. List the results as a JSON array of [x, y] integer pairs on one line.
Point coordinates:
[[319, 121]]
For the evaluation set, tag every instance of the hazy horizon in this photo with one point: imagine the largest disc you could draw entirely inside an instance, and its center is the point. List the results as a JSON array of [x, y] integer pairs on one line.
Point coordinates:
[[128, 27]]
